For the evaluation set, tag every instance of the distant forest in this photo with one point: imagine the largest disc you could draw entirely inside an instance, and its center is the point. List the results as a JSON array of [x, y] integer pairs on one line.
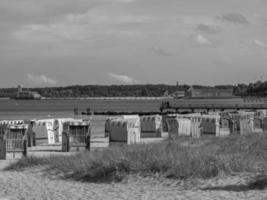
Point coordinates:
[[258, 88]]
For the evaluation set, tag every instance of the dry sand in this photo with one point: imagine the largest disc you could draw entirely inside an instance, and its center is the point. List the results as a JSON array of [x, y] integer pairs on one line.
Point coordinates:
[[34, 183]]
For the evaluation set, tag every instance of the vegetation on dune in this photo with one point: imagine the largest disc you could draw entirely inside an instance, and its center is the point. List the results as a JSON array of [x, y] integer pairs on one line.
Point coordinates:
[[181, 159]]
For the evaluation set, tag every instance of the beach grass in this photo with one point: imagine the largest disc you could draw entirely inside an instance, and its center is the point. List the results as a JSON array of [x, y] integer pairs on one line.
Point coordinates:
[[179, 159]]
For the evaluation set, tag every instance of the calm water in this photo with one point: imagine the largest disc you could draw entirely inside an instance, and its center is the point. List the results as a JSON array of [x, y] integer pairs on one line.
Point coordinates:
[[26, 109], [39, 109], [30, 109], [21, 109]]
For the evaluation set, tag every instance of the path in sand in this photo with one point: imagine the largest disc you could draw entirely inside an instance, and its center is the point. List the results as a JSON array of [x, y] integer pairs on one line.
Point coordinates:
[[32, 184]]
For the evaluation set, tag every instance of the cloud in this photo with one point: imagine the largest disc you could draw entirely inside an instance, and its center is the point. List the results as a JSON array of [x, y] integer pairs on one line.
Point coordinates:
[[259, 43], [49, 9], [120, 1], [106, 16], [97, 22], [41, 79], [208, 29], [235, 18], [160, 51], [202, 41], [123, 78], [53, 32]]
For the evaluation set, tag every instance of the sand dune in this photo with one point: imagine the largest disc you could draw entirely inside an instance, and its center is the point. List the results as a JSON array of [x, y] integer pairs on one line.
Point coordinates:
[[34, 183]]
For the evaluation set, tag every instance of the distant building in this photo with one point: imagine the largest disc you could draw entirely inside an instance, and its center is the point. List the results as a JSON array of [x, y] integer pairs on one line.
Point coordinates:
[[20, 88], [179, 94], [209, 92], [26, 94]]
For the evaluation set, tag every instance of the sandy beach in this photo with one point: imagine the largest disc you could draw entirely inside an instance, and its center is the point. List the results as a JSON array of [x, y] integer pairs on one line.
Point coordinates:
[[35, 183]]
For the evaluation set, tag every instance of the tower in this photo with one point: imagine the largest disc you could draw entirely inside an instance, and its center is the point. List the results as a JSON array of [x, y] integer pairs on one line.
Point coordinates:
[[20, 88]]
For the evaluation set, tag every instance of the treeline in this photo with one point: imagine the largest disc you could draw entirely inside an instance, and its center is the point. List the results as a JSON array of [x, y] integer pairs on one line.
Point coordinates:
[[109, 91], [253, 89]]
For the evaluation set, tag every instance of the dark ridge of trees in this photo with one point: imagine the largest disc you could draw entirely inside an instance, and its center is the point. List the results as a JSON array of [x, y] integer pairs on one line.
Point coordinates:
[[7, 92], [100, 90], [258, 88]]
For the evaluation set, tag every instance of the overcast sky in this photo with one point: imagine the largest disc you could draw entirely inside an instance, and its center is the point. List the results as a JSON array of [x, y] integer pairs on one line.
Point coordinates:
[[64, 42]]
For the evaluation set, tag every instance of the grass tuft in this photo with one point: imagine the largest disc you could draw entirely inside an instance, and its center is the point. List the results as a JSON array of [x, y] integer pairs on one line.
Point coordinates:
[[180, 159]]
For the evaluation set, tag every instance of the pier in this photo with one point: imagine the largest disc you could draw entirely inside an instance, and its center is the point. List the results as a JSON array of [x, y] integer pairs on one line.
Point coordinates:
[[166, 105]]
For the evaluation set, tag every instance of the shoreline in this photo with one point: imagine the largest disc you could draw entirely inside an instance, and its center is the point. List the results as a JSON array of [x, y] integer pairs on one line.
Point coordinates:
[[91, 98]]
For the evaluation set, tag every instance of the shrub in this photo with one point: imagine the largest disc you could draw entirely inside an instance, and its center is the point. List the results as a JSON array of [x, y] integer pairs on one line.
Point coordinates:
[[183, 158]]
